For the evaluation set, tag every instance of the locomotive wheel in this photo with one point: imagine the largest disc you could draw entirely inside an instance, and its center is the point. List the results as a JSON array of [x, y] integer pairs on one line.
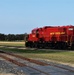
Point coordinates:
[[61, 45], [26, 44], [46, 45], [64, 45], [30, 44], [34, 44], [52, 45], [40, 45], [72, 47]]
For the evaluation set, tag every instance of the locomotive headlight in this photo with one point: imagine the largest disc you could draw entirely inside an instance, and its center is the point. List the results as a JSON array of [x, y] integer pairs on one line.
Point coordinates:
[[33, 35]]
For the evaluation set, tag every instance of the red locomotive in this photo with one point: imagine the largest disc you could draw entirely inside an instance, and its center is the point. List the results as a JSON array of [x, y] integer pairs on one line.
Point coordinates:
[[60, 37]]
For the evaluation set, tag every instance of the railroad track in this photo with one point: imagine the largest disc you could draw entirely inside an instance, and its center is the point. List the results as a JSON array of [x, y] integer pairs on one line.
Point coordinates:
[[3, 55], [22, 64]]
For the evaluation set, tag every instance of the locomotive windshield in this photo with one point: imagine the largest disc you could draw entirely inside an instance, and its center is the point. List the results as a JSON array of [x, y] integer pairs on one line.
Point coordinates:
[[35, 31]]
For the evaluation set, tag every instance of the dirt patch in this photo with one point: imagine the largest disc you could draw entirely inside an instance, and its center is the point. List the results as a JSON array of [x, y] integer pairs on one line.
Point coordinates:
[[6, 74]]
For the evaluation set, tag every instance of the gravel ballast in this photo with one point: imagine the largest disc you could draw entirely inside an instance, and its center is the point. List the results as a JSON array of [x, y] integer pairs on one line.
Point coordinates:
[[7, 68]]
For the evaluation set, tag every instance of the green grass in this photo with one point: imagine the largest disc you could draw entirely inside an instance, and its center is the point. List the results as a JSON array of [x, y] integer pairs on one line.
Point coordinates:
[[61, 56]]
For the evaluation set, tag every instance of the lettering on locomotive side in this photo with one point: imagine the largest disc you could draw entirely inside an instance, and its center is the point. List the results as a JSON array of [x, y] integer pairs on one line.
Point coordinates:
[[70, 29], [57, 33]]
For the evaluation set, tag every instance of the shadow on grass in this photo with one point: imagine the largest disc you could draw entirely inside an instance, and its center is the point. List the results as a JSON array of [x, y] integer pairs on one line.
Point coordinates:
[[37, 51]]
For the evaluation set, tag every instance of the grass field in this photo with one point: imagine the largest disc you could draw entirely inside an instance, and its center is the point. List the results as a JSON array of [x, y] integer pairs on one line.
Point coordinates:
[[60, 56], [3, 43]]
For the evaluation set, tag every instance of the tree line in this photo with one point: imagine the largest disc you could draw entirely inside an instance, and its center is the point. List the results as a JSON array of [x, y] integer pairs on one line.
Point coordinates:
[[12, 37]]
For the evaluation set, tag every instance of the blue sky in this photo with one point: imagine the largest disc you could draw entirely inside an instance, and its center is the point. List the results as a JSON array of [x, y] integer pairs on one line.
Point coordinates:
[[21, 16]]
